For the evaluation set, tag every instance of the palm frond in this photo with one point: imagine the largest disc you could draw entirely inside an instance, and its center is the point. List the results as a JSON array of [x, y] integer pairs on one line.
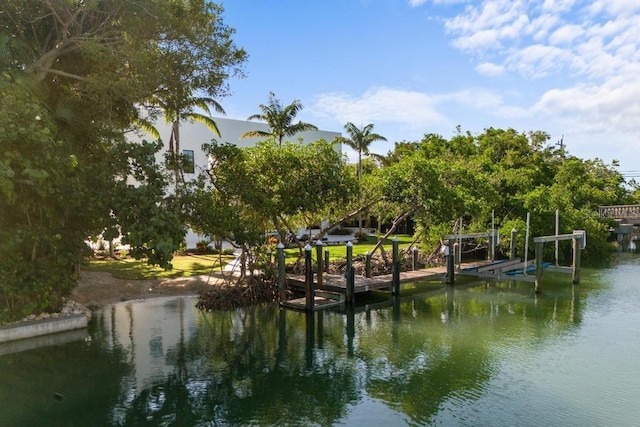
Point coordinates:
[[205, 103], [148, 127], [300, 127], [255, 134], [207, 120], [256, 117]]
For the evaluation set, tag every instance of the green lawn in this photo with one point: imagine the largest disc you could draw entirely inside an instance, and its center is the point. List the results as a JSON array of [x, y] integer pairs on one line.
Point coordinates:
[[183, 266], [360, 248], [194, 264]]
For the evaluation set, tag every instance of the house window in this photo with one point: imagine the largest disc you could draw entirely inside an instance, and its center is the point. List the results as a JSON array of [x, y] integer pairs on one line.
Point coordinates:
[[188, 163]]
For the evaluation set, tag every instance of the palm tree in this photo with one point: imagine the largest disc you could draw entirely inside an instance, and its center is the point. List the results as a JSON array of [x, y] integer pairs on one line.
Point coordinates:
[[360, 140], [175, 114], [280, 120]]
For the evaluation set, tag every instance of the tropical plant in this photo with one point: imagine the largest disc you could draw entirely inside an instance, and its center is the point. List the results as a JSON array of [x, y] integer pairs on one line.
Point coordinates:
[[280, 120], [73, 78], [360, 139], [175, 113]]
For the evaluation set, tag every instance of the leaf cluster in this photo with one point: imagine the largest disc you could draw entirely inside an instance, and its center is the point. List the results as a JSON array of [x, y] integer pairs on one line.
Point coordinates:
[[504, 173]]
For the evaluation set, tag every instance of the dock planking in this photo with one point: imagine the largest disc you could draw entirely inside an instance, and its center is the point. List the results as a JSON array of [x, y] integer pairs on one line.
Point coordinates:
[[338, 283], [334, 286]]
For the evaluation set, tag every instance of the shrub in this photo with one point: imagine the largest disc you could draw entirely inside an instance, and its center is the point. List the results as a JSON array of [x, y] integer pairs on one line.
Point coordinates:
[[202, 246]]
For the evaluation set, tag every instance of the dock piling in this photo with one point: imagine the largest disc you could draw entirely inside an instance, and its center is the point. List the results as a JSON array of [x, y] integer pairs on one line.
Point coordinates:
[[367, 265], [350, 276], [396, 267], [309, 286], [326, 260], [575, 276], [320, 263], [281, 272], [513, 246], [539, 264], [449, 253]]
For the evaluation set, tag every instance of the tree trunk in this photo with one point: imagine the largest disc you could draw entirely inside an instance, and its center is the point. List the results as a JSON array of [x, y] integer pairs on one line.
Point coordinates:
[[395, 224], [175, 132]]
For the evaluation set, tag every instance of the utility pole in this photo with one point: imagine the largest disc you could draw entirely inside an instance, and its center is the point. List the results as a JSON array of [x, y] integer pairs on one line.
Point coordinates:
[[561, 144]]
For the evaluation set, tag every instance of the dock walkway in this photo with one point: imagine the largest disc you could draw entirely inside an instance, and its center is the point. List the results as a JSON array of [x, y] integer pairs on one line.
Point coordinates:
[[334, 286]]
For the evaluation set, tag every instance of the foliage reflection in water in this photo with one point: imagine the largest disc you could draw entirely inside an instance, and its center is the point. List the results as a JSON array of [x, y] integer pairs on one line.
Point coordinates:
[[478, 354]]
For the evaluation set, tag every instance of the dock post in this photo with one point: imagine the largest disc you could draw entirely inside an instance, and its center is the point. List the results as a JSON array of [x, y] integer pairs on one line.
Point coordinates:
[[396, 267], [326, 260], [367, 264], [513, 246], [350, 328], [282, 279], [310, 337], [539, 272], [576, 261], [320, 263], [491, 247], [350, 276], [309, 291], [415, 258], [282, 337], [449, 253]]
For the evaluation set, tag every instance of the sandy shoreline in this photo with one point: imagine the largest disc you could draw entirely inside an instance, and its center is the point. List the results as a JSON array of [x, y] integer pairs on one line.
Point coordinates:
[[96, 289]]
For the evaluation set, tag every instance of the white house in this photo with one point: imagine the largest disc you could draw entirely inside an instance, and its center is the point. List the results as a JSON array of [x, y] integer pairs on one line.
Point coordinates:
[[194, 135]]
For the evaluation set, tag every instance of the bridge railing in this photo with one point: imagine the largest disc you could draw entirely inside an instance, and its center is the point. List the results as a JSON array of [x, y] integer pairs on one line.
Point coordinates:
[[620, 211]]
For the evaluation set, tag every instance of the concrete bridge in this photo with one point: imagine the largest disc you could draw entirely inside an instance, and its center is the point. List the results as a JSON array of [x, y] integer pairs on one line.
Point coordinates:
[[624, 214], [628, 219]]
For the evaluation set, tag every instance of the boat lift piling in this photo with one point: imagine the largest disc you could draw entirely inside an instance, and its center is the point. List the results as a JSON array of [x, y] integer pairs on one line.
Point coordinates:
[[579, 238]]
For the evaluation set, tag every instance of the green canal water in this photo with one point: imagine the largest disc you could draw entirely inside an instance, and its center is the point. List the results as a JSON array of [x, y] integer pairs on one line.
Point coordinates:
[[482, 354]]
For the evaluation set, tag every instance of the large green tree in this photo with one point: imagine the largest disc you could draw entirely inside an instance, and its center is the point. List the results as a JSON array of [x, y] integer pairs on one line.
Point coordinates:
[[508, 173], [269, 187], [75, 77]]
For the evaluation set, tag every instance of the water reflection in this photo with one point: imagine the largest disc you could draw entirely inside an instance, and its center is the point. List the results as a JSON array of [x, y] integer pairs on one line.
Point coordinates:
[[395, 359]]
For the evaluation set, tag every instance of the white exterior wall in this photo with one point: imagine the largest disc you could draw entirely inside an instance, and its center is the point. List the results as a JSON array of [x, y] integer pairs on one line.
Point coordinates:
[[194, 135]]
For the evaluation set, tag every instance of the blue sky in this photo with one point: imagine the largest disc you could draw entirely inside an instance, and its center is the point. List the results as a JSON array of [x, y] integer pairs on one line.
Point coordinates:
[[567, 67]]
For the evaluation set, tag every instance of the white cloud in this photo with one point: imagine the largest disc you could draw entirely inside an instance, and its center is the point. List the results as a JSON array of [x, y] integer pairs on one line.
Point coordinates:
[[614, 7], [591, 40], [487, 26], [556, 6], [490, 69], [610, 107], [538, 60], [379, 104], [566, 34], [410, 109], [416, 3]]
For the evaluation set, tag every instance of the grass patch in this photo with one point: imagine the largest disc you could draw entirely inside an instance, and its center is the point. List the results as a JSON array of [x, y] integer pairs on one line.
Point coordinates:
[[183, 266], [360, 248]]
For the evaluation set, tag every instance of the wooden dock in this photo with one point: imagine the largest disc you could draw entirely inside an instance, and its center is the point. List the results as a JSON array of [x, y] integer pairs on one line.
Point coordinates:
[[501, 270], [338, 283], [334, 286], [323, 291]]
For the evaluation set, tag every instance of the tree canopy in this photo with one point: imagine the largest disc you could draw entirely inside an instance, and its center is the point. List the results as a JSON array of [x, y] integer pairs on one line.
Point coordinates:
[[507, 173], [75, 78]]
